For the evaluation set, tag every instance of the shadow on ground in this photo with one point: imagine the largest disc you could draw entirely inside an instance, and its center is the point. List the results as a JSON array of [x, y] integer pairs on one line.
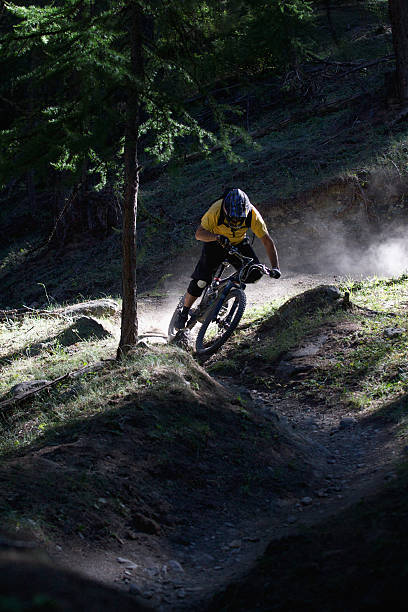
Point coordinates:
[[356, 561]]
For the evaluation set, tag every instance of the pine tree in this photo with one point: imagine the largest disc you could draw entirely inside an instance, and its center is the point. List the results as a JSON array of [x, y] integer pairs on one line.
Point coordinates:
[[94, 86], [399, 21]]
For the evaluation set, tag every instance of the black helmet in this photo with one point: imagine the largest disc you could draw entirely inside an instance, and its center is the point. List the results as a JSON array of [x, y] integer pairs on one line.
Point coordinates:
[[237, 206]]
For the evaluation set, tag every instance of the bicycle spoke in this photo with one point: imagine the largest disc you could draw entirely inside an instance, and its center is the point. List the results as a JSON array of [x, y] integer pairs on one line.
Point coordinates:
[[220, 324]]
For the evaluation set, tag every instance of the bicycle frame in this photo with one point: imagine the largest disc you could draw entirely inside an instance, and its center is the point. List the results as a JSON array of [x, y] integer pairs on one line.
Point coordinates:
[[220, 287]]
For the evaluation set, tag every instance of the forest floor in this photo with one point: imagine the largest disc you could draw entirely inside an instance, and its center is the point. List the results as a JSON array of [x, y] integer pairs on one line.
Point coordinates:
[[352, 458], [177, 524]]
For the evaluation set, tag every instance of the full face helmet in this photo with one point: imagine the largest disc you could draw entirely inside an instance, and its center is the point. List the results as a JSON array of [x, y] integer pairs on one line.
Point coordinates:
[[236, 206]]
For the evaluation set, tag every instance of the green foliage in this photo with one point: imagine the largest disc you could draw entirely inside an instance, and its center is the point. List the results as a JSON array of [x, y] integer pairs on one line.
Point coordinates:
[[368, 369], [69, 73], [266, 35], [68, 68]]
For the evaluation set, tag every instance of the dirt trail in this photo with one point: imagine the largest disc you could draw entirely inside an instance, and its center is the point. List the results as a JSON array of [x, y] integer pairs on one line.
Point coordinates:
[[155, 311], [352, 457]]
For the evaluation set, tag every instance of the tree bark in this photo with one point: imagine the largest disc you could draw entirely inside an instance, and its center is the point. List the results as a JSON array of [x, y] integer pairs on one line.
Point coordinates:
[[398, 10], [330, 21], [129, 324]]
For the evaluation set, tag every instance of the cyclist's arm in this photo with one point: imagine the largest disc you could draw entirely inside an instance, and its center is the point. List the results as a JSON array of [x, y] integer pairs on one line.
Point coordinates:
[[204, 235], [270, 250]]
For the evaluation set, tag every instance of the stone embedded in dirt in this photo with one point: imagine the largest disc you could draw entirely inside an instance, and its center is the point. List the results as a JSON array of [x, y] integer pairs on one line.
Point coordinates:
[[235, 544], [175, 566], [306, 501], [286, 370], [97, 308], [393, 332], [25, 387], [129, 564], [292, 519]]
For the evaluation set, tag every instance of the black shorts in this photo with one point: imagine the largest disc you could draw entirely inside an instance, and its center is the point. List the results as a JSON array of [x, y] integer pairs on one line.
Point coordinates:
[[213, 254]]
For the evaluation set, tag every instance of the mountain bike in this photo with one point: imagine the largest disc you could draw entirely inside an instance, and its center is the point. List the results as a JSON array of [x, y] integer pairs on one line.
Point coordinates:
[[222, 304]]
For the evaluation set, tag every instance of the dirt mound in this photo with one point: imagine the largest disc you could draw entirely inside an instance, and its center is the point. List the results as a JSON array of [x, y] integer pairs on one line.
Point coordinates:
[[185, 445], [155, 470], [324, 297], [355, 562], [82, 329]]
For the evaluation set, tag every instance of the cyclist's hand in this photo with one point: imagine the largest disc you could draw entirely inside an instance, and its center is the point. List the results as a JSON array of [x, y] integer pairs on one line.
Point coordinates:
[[275, 273], [223, 241]]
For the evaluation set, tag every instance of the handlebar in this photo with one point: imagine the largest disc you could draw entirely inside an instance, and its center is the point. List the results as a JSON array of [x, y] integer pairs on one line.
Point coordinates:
[[271, 272], [232, 250]]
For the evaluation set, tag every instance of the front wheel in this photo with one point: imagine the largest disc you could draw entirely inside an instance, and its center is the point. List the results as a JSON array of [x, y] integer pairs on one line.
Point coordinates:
[[220, 322]]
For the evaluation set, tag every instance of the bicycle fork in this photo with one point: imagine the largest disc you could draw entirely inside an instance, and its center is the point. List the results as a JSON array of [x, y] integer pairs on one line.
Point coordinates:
[[225, 323]]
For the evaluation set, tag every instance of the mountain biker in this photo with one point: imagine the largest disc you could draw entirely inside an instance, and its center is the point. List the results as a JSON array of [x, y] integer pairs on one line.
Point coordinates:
[[226, 223]]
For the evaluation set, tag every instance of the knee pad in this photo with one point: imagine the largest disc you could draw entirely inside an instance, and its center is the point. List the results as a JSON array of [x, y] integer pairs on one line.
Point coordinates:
[[196, 287]]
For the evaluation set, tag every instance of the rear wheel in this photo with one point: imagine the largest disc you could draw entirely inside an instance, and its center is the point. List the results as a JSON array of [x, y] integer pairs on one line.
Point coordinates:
[[221, 322]]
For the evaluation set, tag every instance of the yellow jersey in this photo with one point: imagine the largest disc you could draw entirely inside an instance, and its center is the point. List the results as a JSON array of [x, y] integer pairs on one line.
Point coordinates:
[[210, 221]]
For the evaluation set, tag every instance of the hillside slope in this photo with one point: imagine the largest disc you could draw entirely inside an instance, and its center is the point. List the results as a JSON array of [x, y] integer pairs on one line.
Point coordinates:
[[327, 170]]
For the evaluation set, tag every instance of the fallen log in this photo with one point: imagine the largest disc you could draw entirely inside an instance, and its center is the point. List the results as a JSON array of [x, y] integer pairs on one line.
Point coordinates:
[[19, 313], [8, 403]]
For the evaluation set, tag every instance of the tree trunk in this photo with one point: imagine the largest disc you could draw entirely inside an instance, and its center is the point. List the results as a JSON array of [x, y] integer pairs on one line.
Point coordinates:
[[399, 22], [330, 21], [129, 325]]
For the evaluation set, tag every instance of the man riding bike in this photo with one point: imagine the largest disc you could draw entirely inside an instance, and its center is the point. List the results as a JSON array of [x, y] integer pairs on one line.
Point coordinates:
[[226, 222]]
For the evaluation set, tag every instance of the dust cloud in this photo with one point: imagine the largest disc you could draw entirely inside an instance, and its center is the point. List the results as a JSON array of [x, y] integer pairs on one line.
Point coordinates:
[[382, 256], [390, 257], [154, 317], [317, 252]]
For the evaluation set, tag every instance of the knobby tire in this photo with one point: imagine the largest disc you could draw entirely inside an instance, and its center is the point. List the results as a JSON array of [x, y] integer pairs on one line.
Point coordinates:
[[238, 299], [172, 331]]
